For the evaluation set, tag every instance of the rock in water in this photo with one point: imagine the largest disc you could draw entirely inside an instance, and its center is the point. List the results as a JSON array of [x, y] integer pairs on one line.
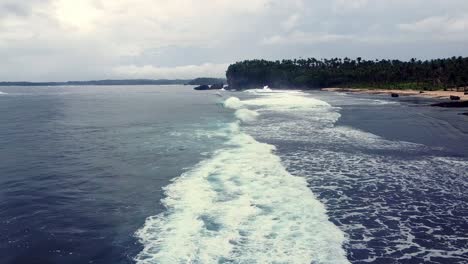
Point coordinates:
[[202, 87], [217, 86], [395, 95], [452, 104], [455, 98]]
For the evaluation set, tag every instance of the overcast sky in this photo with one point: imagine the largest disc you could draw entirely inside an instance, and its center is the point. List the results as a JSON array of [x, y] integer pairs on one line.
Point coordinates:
[[95, 39]]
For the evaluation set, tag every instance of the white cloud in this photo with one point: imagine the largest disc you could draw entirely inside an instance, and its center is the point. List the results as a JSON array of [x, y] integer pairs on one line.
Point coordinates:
[[438, 24], [133, 25], [184, 72], [342, 6], [84, 39], [299, 37], [110, 31], [291, 22], [82, 15], [440, 28]]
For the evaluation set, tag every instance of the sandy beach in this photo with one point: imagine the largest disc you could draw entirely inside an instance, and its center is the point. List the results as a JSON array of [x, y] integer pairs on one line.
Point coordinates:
[[425, 94]]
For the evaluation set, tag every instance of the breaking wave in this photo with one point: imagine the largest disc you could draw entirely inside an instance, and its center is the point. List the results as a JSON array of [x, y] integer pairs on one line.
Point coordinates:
[[246, 115], [280, 101], [233, 103], [242, 206]]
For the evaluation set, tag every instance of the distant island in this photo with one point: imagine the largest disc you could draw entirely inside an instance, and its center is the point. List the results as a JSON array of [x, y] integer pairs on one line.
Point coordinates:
[[197, 81], [311, 73]]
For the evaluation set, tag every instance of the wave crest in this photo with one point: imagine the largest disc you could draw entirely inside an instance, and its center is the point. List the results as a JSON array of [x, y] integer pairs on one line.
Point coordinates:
[[241, 206], [233, 103], [246, 115]]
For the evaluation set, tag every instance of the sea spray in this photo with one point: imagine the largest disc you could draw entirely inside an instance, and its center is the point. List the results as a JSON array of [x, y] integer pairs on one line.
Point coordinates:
[[246, 115], [241, 206], [233, 103], [285, 101]]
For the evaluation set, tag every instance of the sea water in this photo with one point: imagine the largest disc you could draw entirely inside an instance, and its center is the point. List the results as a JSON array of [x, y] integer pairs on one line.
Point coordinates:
[[164, 174]]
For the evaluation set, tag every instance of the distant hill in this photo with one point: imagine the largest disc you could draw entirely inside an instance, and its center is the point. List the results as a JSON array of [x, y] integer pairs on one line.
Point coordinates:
[[206, 81], [99, 82]]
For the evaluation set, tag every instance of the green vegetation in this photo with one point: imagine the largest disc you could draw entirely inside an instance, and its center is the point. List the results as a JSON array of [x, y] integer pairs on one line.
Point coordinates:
[[348, 73]]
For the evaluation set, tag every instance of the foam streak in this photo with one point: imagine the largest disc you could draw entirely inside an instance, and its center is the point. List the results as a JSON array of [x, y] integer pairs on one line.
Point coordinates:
[[241, 206]]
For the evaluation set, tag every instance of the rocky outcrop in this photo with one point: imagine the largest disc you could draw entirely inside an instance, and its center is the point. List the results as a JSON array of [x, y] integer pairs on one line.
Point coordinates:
[[216, 86], [456, 104], [202, 87]]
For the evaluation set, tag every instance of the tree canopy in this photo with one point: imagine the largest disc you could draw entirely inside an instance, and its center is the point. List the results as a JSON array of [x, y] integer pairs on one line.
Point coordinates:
[[312, 73]]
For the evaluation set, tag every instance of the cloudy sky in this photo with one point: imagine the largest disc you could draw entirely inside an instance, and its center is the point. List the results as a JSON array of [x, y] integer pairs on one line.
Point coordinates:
[[96, 39]]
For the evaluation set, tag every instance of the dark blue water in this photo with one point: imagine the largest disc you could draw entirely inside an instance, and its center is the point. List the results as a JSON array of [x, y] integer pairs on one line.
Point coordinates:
[[82, 168]]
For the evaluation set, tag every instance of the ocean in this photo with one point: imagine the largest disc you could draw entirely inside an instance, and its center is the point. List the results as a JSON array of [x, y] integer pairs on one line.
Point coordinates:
[[165, 174]]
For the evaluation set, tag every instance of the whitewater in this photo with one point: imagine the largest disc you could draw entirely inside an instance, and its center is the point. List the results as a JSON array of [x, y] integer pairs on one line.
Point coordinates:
[[167, 174], [241, 205]]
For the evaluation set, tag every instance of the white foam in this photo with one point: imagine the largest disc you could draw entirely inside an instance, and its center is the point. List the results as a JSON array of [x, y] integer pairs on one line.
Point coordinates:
[[241, 206], [259, 91], [233, 103], [286, 101], [246, 115], [2, 93], [323, 156], [270, 91], [384, 102]]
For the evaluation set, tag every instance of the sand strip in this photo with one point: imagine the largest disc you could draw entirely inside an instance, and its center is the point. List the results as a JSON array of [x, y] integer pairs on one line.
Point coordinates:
[[425, 94]]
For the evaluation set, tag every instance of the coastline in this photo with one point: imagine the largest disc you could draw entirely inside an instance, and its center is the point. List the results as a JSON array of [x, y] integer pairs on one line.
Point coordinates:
[[427, 94]]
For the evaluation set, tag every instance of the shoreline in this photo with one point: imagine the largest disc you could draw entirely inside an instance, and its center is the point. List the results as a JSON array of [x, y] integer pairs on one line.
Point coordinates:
[[442, 95]]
